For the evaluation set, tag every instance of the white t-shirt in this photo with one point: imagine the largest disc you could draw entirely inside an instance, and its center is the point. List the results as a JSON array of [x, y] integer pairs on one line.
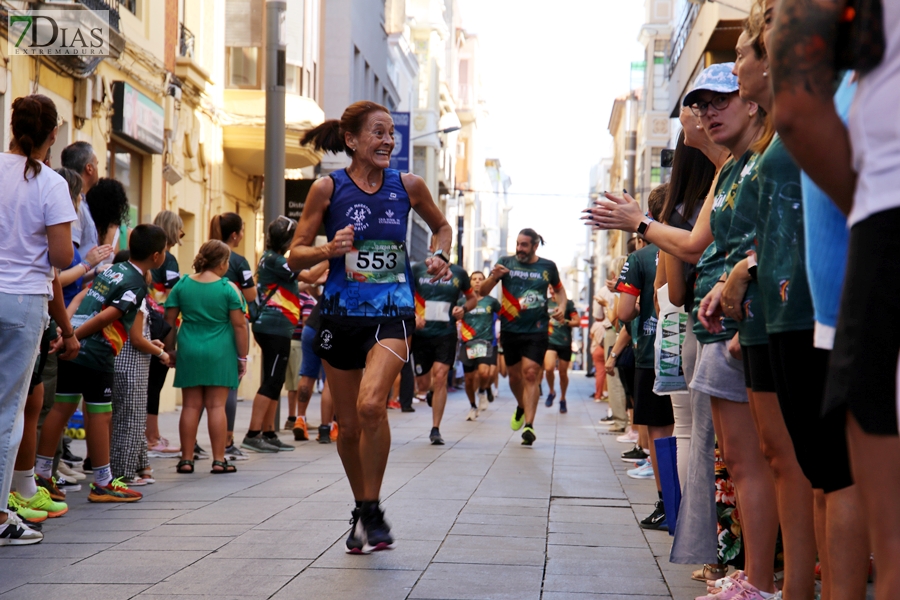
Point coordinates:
[[875, 128], [27, 209]]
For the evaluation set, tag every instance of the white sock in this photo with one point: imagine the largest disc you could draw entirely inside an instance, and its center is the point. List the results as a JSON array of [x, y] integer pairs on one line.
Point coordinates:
[[44, 466], [23, 482], [102, 475]]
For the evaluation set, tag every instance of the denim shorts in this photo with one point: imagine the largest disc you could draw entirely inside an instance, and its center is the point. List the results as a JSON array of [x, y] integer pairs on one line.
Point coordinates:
[[719, 374]]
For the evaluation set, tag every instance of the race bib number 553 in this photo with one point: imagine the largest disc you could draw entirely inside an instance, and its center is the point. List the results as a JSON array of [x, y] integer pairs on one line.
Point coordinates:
[[375, 261]]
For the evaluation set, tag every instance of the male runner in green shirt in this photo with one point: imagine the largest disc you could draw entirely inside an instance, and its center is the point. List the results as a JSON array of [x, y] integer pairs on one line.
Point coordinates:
[[524, 322]]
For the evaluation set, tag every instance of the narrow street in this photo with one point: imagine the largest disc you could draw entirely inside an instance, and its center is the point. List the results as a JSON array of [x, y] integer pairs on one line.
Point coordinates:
[[481, 517]]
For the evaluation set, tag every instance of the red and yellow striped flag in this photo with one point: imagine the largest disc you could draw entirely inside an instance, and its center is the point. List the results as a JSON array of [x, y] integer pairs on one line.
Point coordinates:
[[420, 306], [466, 331], [115, 334], [509, 306]]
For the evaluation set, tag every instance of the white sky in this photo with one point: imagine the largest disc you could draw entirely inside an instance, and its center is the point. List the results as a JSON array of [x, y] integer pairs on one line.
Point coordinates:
[[551, 71]]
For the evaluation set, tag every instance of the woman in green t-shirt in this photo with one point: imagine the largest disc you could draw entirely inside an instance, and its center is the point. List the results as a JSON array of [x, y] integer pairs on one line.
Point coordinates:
[[211, 345], [735, 124], [806, 450]]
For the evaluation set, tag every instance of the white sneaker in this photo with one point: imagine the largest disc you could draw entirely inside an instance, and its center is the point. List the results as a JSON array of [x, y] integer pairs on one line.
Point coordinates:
[[629, 437], [482, 401], [473, 414], [71, 474], [16, 533]]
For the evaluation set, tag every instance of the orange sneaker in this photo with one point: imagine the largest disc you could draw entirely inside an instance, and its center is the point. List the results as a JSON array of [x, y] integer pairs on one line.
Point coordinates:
[[50, 486], [300, 432], [115, 491], [394, 404], [334, 431]]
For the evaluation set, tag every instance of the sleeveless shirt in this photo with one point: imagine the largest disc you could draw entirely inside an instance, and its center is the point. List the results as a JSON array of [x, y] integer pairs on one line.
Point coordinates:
[[377, 286]]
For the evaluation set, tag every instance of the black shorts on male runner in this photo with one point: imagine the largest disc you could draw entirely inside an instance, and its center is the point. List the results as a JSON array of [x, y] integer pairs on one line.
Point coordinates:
[[470, 365], [563, 353], [430, 350], [41, 360], [345, 344], [532, 346]]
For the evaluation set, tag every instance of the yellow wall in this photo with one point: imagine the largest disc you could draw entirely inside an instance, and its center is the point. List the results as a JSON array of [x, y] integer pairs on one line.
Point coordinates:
[[207, 187]]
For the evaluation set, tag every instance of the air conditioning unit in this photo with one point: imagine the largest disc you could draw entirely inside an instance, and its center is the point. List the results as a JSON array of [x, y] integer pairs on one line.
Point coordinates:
[[84, 98], [171, 175]]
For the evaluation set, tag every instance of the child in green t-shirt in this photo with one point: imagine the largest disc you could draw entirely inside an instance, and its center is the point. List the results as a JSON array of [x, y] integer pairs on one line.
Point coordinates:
[[104, 316]]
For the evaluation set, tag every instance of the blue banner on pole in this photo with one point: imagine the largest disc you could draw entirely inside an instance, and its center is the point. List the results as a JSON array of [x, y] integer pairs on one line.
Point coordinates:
[[402, 145]]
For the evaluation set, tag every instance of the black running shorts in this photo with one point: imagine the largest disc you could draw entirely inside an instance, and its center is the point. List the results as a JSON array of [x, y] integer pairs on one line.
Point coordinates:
[[75, 382], [470, 365], [430, 350], [650, 409], [758, 368], [532, 346], [563, 353], [863, 372], [344, 344], [820, 442]]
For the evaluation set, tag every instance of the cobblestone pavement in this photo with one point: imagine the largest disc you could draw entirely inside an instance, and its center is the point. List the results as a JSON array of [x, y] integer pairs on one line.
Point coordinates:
[[481, 517]]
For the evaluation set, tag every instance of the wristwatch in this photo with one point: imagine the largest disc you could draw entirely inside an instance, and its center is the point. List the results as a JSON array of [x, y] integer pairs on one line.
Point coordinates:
[[642, 228], [440, 254], [612, 354]]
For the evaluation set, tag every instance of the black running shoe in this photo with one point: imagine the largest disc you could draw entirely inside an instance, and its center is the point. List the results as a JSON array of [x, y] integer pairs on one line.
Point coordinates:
[[324, 434], [657, 519], [68, 457], [435, 437], [428, 397], [356, 541], [528, 436], [490, 394], [377, 531], [407, 409], [636, 454]]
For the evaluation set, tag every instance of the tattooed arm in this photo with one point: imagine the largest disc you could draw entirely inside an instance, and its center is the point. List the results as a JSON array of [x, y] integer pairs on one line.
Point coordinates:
[[801, 58]]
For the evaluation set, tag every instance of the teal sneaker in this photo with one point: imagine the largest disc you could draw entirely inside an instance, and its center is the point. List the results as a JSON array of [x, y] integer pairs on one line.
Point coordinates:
[[515, 423]]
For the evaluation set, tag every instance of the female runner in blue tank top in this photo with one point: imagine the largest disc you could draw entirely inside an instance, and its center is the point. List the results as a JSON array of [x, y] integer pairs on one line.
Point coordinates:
[[368, 310]]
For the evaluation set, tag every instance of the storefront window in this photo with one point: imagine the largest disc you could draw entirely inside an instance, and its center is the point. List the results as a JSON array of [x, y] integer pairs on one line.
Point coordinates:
[[126, 166]]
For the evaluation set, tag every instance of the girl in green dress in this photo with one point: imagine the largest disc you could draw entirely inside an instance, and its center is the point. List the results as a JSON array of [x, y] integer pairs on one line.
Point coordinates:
[[209, 350]]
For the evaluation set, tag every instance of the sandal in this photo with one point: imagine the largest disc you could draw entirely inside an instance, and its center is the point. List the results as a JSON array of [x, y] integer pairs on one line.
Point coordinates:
[[710, 573], [224, 467], [185, 467]]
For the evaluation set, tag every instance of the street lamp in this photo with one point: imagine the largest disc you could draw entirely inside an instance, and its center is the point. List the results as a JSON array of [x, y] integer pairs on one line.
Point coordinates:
[[444, 130]]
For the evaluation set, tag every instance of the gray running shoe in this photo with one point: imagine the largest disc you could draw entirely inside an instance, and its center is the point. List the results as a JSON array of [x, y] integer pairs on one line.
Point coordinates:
[[282, 447], [258, 444], [233, 453]]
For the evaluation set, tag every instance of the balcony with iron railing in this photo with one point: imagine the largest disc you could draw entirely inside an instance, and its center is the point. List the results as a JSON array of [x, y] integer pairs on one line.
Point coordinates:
[[185, 42], [111, 6], [682, 33]]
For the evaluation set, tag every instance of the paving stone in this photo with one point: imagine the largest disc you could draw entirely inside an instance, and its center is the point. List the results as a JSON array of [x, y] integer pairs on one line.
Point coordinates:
[[607, 585], [349, 583], [73, 591], [483, 550], [476, 582], [239, 577], [120, 566]]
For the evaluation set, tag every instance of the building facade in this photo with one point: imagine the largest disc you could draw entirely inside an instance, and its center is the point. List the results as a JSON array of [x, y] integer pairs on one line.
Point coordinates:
[[176, 113]]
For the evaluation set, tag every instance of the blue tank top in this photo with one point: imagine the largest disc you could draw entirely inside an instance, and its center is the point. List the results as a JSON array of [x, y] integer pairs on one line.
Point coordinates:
[[374, 282]]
